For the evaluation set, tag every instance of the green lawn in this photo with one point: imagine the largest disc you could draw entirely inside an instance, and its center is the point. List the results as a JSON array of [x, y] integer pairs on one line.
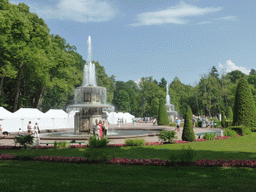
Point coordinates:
[[233, 148], [49, 176], [42, 176]]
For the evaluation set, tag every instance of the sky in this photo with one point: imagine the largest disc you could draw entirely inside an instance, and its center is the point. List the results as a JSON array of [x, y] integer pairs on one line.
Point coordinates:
[[159, 38]]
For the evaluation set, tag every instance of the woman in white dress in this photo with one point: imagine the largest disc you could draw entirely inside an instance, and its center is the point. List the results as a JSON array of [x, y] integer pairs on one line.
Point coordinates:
[[36, 130]]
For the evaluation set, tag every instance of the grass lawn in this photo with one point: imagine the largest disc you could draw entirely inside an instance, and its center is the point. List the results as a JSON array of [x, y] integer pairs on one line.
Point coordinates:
[[45, 176], [233, 148]]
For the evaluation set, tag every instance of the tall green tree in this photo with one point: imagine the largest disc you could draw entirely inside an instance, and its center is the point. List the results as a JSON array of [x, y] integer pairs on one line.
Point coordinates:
[[244, 109], [162, 114], [188, 132]]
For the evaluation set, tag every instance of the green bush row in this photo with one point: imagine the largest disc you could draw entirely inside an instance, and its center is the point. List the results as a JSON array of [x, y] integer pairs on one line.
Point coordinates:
[[167, 135], [209, 136], [135, 142], [98, 143], [241, 130]]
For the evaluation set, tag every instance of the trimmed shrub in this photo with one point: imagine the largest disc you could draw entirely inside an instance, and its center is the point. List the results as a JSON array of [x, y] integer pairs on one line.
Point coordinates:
[[244, 109], [188, 132], [162, 115], [230, 114], [230, 132], [229, 123], [223, 119], [24, 140], [241, 130], [135, 142], [209, 136], [167, 135], [98, 143], [96, 155], [218, 123]]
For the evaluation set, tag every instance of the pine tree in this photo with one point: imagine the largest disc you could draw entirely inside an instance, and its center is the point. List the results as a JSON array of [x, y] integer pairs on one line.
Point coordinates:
[[244, 109], [188, 132], [162, 115]]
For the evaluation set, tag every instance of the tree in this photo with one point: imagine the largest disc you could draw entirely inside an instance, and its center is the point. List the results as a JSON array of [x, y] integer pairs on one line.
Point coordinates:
[[244, 109], [235, 75], [162, 83], [214, 72], [230, 114], [121, 101], [188, 132], [223, 119], [162, 114]]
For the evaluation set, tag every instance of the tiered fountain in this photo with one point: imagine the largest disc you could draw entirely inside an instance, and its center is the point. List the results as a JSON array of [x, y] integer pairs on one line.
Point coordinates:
[[90, 100], [172, 114]]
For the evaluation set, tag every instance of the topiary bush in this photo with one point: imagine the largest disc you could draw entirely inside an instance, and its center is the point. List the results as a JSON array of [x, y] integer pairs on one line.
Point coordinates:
[[98, 143], [24, 140], [230, 132], [209, 136], [244, 108], [167, 135], [162, 115], [230, 114], [223, 119], [188, 132], [135, 142]]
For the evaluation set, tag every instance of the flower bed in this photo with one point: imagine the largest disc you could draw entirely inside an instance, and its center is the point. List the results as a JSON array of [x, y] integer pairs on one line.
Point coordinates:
[[226, 163]]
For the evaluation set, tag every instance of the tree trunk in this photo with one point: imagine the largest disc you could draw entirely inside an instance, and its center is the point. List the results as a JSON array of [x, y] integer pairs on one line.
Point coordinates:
[[1, 85], [40, 100], [18, 88]]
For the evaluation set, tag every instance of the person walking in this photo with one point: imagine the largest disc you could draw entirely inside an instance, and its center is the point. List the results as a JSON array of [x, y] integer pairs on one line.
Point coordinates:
[[105, 128], [36, 130], [100, 131], [29, 128], [178, 125], [194, 121]]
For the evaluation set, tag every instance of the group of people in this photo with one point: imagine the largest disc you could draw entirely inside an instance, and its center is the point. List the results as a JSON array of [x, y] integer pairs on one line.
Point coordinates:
[[36, 130], [100, 128]]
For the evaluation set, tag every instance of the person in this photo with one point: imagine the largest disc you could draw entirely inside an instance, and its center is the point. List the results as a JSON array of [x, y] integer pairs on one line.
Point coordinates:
[[178, 124], [194, 121], [100, 131], [203, 122], [105, 128], [36, 130], [211, 124], [154, 122], [94, 126], [1, 134], [19, 132], [134, 122], [118, 122], [29, 128]]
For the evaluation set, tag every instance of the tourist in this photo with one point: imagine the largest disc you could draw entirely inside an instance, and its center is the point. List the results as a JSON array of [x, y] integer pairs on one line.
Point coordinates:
[[94, 126], [29, 127], [211, 124], [178, 125], [154, 122], [134, 121], [118, 122], [19, 132], [203, 122], [100, 130], [36, 130], [194, 121], [105, 130]]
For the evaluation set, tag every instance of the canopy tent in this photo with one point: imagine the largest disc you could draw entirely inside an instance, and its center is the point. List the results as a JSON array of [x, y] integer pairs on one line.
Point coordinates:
[[58, 117], [113, 117], [5, 114], [56, 113]]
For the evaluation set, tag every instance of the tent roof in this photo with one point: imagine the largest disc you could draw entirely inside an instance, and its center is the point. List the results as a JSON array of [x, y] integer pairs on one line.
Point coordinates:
[[56, 113], [4, 114], [29, 113]]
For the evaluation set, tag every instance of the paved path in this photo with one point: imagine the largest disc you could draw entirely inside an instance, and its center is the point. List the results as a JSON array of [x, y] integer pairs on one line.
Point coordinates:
[[7, 141]]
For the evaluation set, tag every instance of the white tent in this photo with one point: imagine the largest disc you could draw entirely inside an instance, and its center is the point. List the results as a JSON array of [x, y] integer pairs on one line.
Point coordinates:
[[28, 114], [5, 114], [113, 117], [59, 118]]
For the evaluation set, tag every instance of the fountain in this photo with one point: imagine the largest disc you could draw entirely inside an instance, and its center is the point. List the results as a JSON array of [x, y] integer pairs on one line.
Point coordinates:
[[172, 114], [90, 100]]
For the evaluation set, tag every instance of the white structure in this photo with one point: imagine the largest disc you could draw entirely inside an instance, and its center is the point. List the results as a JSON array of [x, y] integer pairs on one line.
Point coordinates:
[[113, 117], [52, 119]]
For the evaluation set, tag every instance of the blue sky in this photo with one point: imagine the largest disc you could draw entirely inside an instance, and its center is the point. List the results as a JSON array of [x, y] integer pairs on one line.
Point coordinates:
[[159, 38]]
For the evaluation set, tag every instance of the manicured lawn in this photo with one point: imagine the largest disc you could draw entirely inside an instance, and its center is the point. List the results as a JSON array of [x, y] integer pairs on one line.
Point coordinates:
[[43, 176], [49, 176], [233, 148]]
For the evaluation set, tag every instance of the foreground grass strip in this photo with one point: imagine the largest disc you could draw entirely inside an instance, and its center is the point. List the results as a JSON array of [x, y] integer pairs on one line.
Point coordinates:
[[43, 176]]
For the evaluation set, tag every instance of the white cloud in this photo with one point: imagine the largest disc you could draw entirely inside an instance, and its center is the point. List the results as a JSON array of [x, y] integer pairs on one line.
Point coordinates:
[[174, 14], [227, 18], [203, 22], [229, 66], [138, 81], [76, 10]]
